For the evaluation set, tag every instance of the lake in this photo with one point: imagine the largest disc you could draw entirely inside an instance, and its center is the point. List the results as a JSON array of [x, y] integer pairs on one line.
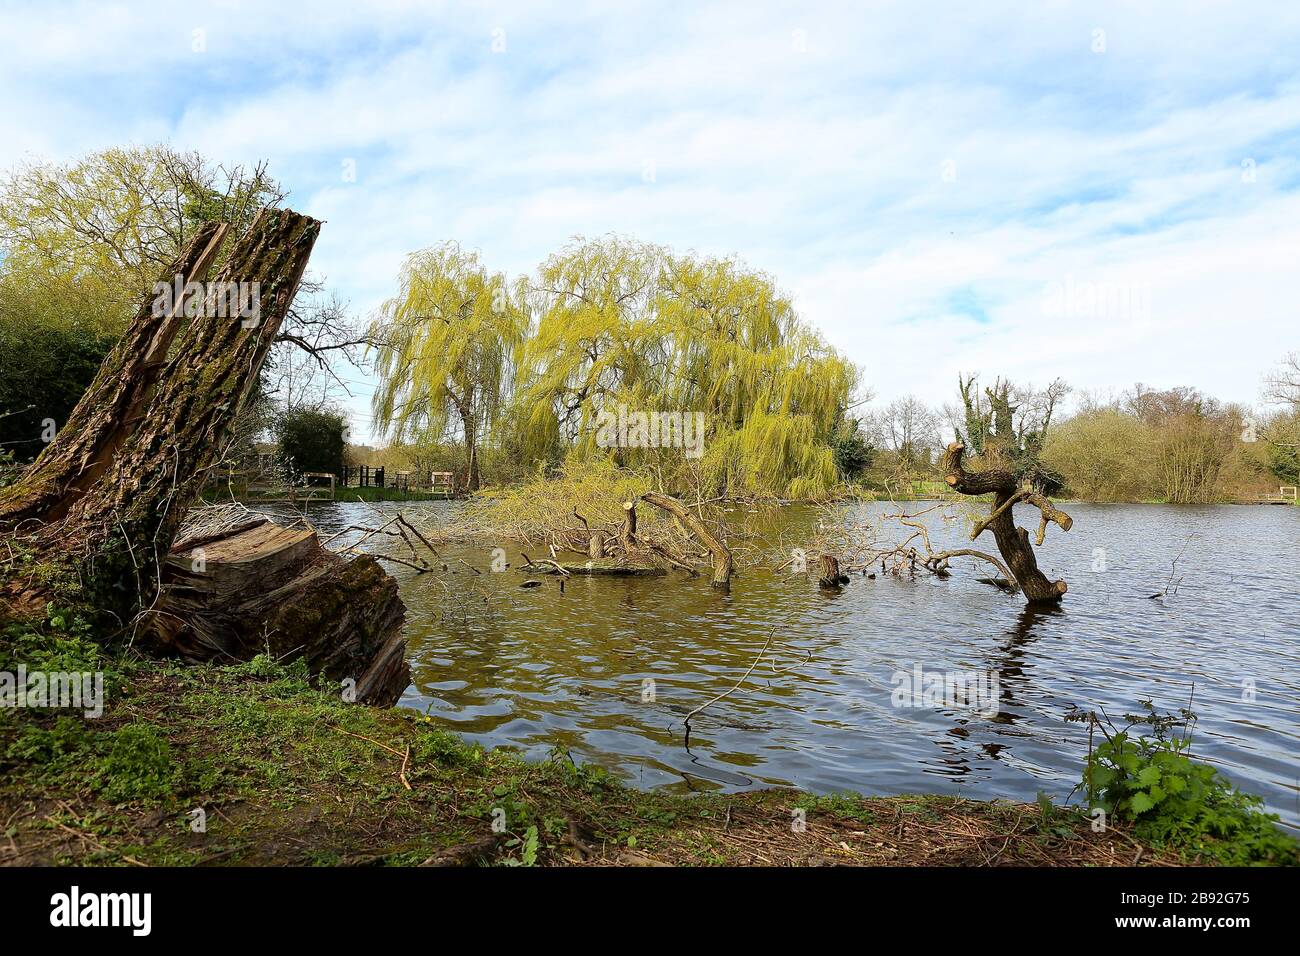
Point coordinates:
[[535, 669]]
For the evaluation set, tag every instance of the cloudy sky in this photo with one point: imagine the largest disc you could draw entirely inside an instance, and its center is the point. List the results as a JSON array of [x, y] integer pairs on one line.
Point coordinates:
[[1109, 192]]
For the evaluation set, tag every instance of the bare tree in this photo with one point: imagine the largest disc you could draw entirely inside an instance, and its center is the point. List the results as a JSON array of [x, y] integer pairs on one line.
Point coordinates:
[[1283, 384], [910, 429]]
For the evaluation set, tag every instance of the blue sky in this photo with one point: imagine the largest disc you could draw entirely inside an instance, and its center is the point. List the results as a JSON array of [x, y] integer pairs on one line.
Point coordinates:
[[926, 179]]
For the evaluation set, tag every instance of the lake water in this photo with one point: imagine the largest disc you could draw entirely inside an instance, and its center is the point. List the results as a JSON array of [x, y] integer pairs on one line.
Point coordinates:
[[535, 668]]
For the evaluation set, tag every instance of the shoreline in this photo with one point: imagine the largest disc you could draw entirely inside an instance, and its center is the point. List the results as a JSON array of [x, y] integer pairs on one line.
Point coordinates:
[[287, 774]]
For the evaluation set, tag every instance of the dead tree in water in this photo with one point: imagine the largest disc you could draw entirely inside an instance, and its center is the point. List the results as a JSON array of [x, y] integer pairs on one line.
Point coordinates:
[[99, 510], [1013, 542], [722, 560]]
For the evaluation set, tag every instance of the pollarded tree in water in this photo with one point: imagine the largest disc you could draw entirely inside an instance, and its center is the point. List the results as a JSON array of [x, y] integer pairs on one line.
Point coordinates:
[[445, 349], [1008, 489]]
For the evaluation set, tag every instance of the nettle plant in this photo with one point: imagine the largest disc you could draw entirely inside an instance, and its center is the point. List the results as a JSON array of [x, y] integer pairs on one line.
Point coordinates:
[[1172, 800]]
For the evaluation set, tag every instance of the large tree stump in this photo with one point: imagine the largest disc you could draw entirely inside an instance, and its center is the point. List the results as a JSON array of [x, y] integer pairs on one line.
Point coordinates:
[[260, 588], [100, 508], [1013, 542]]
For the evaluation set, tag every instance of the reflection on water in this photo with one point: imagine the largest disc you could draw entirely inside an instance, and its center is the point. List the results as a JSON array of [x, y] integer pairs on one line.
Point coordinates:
[[539, 668]]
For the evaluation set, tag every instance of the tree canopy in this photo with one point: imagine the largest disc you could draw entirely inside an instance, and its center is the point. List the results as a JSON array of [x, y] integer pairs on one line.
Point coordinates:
[[448, 339], [623, 325]]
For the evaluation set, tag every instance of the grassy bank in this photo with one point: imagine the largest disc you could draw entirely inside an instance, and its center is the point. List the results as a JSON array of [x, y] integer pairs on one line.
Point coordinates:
[[286, 773], [322, 495], [386, 494]]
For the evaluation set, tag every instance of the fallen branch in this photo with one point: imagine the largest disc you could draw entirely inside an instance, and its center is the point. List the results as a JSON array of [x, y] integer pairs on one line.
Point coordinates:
[[722, 560]]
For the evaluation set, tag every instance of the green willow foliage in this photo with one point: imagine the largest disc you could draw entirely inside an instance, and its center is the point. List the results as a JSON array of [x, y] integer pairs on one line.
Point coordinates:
[[448, 339], [624, 324], [609, 325]]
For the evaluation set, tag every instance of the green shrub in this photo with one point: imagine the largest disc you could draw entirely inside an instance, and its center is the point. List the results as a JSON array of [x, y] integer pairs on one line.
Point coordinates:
[[1172, 800], [44, 745]]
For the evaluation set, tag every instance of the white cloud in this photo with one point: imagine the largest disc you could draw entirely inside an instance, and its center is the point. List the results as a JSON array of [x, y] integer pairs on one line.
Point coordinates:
[[817, 156]]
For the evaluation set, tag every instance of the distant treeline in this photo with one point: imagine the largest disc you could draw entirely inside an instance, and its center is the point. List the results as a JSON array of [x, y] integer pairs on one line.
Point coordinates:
[[696, 370]]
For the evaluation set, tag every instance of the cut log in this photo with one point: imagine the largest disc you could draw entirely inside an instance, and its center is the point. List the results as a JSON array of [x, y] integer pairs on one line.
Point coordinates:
[[722, 561], [592, 569], [264, 589]]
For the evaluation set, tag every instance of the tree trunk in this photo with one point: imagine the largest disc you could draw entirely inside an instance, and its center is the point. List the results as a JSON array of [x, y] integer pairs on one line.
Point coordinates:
[[472, 477], [722, 561], [1013, 542]]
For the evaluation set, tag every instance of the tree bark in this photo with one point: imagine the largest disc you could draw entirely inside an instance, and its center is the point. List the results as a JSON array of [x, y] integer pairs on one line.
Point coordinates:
[[1013, 542]]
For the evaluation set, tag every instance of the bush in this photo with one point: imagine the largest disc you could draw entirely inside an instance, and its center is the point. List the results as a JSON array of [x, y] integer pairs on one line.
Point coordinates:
[[1174, 801], [45, 371], [1104, 455], [312, 440]]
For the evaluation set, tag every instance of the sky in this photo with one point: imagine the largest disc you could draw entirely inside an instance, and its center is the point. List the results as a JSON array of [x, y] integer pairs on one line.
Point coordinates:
[[1105, 192]]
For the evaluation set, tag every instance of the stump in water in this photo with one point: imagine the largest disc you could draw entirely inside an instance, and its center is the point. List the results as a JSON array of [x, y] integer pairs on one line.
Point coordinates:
[[1013, 542], [830, 573], [100, 508]]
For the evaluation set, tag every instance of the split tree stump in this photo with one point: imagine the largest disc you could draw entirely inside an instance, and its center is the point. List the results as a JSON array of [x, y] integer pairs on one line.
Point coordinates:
[[260, 588], [100, 508]]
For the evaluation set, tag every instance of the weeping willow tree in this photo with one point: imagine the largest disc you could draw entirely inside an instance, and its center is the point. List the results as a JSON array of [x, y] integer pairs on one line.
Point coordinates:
[[628, 328], [596, 343], [447, 340], [773, 390]]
